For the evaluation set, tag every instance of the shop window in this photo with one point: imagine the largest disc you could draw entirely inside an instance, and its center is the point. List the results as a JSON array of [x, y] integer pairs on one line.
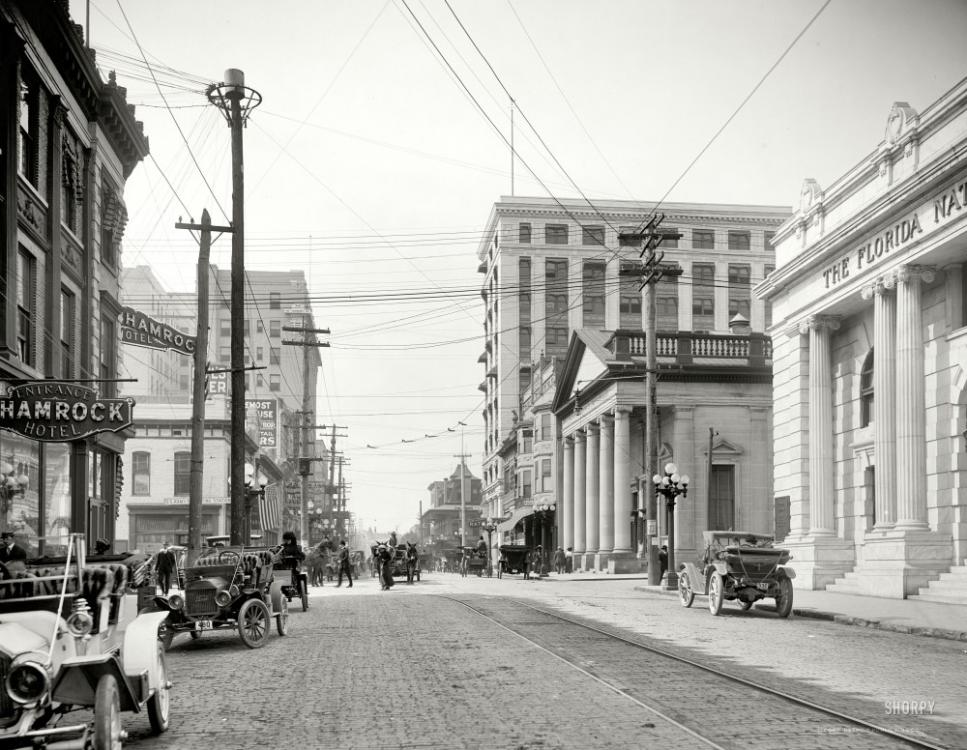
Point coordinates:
[[866, 391], [182, 472], [141, 473]]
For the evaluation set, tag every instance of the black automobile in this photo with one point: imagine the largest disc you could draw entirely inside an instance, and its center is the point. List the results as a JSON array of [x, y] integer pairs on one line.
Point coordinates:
[[741, 567], [227, 587]]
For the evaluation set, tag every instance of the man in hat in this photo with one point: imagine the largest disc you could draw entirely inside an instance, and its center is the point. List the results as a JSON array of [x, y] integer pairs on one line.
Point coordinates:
[[12, 555], [165, 566], [344, 566]]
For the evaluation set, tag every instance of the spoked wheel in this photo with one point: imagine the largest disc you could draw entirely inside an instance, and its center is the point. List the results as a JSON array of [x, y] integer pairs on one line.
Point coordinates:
[[253, 623], [304, 594], [107, 714], [282, 617], [716, 593], [784, 600], [159, 704], [685, 594]]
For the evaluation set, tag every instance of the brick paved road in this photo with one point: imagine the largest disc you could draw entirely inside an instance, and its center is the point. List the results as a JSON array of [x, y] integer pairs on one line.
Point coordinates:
[[366, 669]]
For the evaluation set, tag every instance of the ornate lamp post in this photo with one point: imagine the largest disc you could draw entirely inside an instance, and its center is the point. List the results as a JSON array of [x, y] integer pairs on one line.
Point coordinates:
[[544, 515], [490, 526], [671, 486]]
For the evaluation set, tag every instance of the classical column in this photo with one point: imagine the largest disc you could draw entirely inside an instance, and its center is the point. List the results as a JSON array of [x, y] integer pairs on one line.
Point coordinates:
[[821, 521], [593, 481], [622, 479], [580, 499], [884, 398], [567, 496], [606, 486], [911, 448]]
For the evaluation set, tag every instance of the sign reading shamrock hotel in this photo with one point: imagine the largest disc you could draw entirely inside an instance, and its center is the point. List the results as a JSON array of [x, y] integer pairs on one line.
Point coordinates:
[[61, 412], [138, 329]]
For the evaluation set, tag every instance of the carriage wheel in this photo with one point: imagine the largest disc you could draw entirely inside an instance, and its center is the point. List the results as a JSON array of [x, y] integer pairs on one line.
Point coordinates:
[[685, 594], [784, 599], [716, 593], [282, 617], [107, 714], [159, 704], [253, 623]]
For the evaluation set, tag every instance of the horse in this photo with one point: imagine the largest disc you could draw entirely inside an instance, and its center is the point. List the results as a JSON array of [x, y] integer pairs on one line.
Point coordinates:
[[412, 562], [316, 564]]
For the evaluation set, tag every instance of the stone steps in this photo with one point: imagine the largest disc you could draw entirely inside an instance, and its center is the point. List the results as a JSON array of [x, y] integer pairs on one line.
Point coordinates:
[[950, 588]]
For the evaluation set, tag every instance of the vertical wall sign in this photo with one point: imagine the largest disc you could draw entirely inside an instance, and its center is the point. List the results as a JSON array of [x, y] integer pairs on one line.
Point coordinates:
[[138, 329]]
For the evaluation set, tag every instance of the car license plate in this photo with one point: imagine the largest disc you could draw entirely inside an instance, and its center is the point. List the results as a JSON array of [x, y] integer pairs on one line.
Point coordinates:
[[762, 586], [203, 625]]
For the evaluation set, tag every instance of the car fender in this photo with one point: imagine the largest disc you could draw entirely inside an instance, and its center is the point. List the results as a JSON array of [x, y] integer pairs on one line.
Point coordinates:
[[76, 682], [694, 579], [275, 595], [787, 572], [140, 654]]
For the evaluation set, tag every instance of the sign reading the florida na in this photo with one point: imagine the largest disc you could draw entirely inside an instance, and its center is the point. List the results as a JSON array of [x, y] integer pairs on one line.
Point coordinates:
[[138, 329], [60, 412]]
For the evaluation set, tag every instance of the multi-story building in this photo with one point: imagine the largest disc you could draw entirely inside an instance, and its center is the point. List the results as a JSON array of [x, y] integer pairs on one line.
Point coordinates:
[[553, 291], [452, 499], [870, 337], [68, 142]]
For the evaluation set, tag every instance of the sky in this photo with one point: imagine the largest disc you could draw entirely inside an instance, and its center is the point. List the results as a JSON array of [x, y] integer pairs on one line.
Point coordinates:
[[370, 166]]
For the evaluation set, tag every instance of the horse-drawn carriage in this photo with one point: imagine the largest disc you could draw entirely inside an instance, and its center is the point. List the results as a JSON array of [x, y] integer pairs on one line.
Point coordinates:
[[514, 558], [473, 562]]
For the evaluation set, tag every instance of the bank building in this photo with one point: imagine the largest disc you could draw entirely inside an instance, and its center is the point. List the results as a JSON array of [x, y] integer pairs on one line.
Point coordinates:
[[869, 335]]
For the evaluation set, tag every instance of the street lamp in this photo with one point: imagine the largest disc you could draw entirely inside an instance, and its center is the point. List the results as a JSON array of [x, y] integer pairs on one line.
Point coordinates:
[[490, 526], [251, 482], [671, 485], [544, 515]]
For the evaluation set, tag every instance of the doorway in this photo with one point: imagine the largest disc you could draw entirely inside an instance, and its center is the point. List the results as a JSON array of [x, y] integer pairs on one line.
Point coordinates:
[[721, 498]]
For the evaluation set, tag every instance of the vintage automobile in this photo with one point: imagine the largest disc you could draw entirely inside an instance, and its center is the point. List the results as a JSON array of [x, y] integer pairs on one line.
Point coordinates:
[[227, 587], [514, 558], [64, 647], [738, 566]]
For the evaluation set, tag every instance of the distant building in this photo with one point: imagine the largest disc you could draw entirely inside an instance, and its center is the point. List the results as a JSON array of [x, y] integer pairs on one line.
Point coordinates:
[[460, 493], [870, 341]]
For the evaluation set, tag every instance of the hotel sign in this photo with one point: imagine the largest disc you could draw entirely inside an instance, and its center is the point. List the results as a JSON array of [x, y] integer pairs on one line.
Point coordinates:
[[140, 330], [60, 412]]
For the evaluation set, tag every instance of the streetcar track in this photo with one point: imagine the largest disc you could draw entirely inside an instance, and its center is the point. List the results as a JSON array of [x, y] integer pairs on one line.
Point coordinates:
[[668, 715]]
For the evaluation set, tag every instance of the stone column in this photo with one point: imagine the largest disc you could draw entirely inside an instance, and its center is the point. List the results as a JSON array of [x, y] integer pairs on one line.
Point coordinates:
[[580, 488], [592, 511], [821, 520], [622, 479], [567, 496], [884, 398], [606, 486], [911, 449]]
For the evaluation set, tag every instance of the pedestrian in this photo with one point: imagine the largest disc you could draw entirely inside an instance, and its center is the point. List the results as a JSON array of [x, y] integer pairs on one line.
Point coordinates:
[[12, 555], [662, 561], [569, 560], [538, 566], [102, 546], [560, 562], [386, 554], [164, 566], [344, 566]]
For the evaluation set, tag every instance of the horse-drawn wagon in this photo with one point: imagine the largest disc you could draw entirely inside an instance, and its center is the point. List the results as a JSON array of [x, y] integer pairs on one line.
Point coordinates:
[[473, 563]]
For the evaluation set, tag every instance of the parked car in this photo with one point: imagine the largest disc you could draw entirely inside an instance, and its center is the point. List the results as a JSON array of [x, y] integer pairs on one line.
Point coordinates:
[[738, 566], [62, 649], [227, 587]]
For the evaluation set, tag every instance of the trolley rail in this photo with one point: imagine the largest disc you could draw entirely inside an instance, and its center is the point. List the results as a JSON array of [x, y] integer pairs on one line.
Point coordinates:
[[720, 709]]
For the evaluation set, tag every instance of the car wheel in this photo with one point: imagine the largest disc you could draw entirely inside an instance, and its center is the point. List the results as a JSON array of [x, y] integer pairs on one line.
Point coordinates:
[[282, 618], [253, 623], [166, 634], [685, 593], [716, 593], [304, 594], [784, 599], [159, 704], [107, 714]]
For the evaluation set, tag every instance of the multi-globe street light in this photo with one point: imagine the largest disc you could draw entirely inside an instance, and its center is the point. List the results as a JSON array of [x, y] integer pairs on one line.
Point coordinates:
[[670, 486], [490, 526]]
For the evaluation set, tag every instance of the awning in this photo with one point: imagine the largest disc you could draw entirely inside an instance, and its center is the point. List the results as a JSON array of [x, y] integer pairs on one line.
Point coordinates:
[[515, 517]]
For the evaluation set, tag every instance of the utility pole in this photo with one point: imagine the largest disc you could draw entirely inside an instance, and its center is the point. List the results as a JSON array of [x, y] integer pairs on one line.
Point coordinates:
[[236, 101], [197, 469], [308, 340], [463, 490], [650, 274]]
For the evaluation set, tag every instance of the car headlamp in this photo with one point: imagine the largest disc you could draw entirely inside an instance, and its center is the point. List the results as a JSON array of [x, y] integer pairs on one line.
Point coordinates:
[[27, 681], [176, 601], [80, 623], [223, 598]]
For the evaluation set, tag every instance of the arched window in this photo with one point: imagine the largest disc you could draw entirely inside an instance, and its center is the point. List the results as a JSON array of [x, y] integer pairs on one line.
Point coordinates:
[[866, 391]]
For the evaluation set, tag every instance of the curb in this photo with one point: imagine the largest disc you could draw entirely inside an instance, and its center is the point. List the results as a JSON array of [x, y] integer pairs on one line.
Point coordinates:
[[816, 614]]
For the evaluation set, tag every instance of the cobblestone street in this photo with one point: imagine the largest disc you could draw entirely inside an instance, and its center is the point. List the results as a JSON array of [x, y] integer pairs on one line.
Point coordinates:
[[414, 668]]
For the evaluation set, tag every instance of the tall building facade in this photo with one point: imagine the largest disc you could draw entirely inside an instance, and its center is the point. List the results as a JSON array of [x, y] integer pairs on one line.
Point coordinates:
[[554, 295], [870, 336], [68, 142]]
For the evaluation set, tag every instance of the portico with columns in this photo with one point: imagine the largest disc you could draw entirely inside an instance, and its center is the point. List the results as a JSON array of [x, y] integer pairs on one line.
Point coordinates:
[[870, 387]]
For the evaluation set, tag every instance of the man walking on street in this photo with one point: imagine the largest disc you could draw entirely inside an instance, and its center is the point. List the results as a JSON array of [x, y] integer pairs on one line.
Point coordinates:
[[165, 566], [344, 566]]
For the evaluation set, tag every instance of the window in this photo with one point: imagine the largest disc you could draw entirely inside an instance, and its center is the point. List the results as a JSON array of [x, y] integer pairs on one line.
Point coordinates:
[[259, 354], [592, 236], [526, 490], [629, 302], [259, 326], [546, 483], [141, 473], [524, 233], [524, 310], [68, 317], [524, 301], [703, 296], [525, 344], [108, 354], [740, 290], [225, 327], [275, 382], [666, 298], [259, 381], [767, 240], [703, 239], [275, 300], [740, 240], [275, 328], [70, 183], [555, 234], [182, 472], [593, 294], [26, 307], [866, 391], [556, 337], [27, 147], [224, 354], [275, 355], [669, 243]]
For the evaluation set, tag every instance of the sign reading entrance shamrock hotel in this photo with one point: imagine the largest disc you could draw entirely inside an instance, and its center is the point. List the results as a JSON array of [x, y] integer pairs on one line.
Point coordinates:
[[60, 412], [138, 329]]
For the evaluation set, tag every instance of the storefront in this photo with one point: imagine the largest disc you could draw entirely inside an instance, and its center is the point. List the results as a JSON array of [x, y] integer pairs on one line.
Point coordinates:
[[870, 363]]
